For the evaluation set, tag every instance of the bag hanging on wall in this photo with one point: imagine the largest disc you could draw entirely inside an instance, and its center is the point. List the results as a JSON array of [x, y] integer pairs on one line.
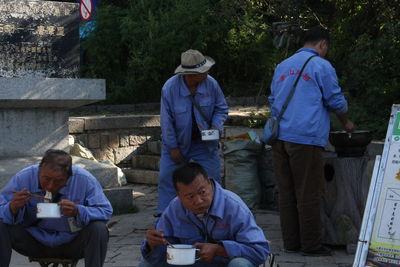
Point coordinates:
[[271, 128]]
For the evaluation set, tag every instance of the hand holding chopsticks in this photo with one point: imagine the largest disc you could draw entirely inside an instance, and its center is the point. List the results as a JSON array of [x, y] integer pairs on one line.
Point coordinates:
[[33, 195]]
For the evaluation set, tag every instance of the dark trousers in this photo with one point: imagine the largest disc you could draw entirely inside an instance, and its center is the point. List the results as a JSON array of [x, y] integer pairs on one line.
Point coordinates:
[[300, 173], [91, 244]]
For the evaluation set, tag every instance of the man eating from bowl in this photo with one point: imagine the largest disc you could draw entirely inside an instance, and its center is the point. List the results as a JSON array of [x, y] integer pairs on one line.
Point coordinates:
[[210, 218], [81, 232]]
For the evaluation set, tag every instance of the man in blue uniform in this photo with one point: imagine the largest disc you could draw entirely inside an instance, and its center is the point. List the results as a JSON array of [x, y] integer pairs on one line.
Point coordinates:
[[210, 218], [182, 121], [81, 232], [304, 130]]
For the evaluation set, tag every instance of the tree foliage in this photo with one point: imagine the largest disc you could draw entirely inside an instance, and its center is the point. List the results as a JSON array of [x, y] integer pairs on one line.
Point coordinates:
[[137, 46]]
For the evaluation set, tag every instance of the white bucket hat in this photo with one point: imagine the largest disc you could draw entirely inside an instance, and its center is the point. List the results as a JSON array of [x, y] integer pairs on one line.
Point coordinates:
[[192, 62]]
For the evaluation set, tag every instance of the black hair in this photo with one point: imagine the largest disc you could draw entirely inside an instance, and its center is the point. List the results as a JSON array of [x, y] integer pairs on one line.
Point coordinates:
[[57, 160], [187, 173], [316, 34]]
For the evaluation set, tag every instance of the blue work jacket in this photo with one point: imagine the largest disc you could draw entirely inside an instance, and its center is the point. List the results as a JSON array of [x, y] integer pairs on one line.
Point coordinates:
[[306, 119], [81, 188], [228, 222], [176, 111]]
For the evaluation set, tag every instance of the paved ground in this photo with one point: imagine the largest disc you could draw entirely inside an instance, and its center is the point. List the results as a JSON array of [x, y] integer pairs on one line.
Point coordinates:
[[127, 232]]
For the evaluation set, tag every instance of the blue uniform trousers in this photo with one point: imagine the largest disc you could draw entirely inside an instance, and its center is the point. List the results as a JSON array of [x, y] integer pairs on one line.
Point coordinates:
[[198, 153]]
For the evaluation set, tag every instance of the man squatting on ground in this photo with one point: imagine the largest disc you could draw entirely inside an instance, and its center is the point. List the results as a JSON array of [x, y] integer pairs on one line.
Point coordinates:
[[181, 121], [210, 218], [81, 232]]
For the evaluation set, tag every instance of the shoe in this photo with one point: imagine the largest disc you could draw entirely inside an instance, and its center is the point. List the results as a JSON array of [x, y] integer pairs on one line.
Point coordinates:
[[157, 215], [291, 250], [323, 251]]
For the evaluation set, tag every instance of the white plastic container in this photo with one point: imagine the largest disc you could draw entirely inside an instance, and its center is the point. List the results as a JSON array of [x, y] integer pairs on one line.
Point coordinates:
[[181, 254], [48, 210], [210, 135]]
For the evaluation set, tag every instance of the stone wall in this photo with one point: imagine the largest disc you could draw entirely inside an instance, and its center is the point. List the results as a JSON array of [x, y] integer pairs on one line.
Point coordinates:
[[115, 138]]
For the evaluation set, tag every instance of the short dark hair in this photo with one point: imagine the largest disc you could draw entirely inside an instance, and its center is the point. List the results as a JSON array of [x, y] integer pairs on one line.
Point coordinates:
[[316, 34], [57, 160], [187, 173]]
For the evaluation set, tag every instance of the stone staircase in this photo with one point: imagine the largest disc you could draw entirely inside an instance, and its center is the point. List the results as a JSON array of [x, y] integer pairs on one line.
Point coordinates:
[[145, 166]]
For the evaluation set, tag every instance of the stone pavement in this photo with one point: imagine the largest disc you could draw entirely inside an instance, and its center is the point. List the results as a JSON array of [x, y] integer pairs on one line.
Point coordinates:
[[127, 232]]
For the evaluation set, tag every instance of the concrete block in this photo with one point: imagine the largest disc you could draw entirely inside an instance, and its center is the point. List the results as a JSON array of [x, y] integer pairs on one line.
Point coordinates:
[[121, 199], [103, 140], [135, 140], [149, 162], [82, 138], [76, 125], [38, 92], [141, 176], [93, 141], [30, 132], [124, 153], [121, 122], [124, 140], [154, 147], [113, 140], [106, 174], [104, 154]]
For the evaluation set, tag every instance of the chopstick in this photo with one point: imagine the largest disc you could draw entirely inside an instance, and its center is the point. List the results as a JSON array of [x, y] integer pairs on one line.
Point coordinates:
[[33, 195]]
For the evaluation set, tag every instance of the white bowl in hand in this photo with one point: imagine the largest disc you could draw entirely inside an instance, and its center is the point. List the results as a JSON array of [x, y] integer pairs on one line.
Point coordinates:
[[48, 210]]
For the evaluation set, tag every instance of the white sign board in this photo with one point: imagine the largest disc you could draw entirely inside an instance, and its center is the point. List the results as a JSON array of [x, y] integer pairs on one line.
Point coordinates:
[[379, 241]]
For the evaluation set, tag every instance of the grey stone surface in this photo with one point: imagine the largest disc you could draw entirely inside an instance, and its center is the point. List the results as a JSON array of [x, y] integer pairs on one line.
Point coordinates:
[[141, 176], [37, 92], [106, 174], [30, 132], [121, 198], [127, 232], [154, 147], [149, 162], [121, 122], [76, 125]]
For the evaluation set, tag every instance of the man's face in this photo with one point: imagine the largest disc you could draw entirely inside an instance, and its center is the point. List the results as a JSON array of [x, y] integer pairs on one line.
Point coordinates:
[[197, 196], [194, 79], [52, 180]]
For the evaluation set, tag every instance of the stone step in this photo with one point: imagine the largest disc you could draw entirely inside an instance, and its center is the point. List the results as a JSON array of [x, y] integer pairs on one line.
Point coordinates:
[[154, 147], [148, 162], [121, 199], [140, 176]]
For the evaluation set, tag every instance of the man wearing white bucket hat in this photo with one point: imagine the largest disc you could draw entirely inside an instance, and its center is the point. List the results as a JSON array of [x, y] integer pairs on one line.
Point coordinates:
[[192, 106]]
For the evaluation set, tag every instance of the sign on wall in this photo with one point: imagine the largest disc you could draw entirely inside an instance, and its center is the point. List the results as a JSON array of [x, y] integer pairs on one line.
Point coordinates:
[[39, 38], [379, 242]]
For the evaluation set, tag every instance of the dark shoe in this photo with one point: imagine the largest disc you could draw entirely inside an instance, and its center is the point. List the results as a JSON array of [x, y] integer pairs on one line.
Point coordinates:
[[157, 215], [291, 250], [323, 251]]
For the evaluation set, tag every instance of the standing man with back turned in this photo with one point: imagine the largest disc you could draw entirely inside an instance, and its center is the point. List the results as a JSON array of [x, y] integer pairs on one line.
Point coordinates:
[[304, 130], [182, 121]]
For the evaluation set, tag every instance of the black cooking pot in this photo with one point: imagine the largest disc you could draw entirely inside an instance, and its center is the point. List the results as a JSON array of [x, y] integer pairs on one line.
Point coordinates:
[[350, 144]]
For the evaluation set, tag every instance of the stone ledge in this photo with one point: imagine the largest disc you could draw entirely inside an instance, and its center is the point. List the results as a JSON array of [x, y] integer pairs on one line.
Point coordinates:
[[37, 92], [118, 122], [106, 174], [136, 176]]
